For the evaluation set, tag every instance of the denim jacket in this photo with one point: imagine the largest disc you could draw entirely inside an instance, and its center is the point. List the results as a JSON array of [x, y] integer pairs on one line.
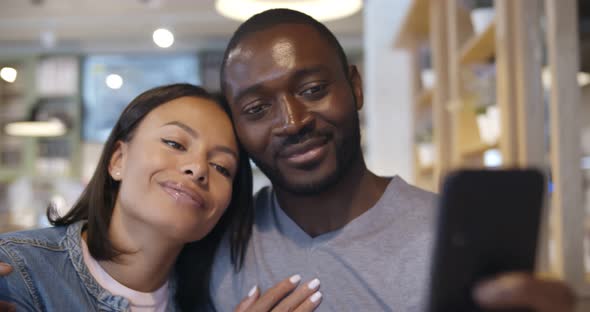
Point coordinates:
[[50, 273]]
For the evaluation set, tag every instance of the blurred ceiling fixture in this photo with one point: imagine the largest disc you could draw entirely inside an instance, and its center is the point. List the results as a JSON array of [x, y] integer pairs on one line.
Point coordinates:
[[163, 38], [114, 81], [50, 128], [8, 74], [40, 123], [47, 38], [322, 10]]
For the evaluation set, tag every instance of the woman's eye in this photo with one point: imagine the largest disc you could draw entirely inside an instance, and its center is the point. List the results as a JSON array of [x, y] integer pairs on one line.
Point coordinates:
[[221, 170], [174, 144]]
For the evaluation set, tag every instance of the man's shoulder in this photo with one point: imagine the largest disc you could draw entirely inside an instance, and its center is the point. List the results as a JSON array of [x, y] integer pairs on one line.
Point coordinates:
[[400, 191], [263, 198]]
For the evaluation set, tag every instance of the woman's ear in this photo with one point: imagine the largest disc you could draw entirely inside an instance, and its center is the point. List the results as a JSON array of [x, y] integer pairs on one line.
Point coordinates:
[[118, 160]]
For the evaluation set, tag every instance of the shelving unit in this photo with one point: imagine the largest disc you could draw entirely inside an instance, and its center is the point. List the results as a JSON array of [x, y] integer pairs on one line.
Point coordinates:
[[512, 44], [480, 48]]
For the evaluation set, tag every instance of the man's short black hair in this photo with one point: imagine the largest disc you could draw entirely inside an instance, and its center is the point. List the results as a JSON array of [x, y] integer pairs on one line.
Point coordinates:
[[274, 17]]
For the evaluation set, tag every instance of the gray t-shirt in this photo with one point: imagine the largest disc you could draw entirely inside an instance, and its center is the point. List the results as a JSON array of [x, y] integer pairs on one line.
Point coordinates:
[[377, 262]]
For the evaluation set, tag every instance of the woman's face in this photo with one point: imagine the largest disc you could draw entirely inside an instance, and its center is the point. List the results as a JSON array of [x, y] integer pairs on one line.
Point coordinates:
[[177, 170]]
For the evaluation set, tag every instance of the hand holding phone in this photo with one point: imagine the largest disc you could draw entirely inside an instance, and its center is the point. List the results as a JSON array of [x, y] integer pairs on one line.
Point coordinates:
[[488, 224]]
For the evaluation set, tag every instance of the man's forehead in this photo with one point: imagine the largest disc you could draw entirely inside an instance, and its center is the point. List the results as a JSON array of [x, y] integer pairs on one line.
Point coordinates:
[[281, 38], [278, 46]]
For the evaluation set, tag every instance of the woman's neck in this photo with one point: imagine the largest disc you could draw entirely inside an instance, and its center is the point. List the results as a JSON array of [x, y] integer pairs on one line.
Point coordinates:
[[148, 258]]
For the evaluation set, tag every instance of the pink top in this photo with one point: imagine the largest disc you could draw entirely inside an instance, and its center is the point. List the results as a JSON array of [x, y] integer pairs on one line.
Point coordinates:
[[140, 301]]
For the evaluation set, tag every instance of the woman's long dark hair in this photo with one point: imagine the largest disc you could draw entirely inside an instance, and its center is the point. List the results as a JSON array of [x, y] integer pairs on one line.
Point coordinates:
[[194, 264]]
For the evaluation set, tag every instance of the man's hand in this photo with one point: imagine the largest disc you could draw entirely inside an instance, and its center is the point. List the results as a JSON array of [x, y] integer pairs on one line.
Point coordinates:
[[524, 290], [6, 269]]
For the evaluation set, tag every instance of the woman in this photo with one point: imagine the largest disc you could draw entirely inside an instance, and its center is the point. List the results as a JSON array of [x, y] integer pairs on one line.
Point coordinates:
[[170, 182]]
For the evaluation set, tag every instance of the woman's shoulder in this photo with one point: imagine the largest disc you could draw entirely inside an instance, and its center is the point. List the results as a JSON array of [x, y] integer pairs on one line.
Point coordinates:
[[50, 236], [44, 276]]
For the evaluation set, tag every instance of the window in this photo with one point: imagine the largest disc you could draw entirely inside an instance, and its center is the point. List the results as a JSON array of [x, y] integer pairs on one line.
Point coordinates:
[[128, 76]]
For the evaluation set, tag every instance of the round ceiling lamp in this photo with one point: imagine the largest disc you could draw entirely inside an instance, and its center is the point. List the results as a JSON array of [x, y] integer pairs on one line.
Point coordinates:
[[163, 38], [322, 10]]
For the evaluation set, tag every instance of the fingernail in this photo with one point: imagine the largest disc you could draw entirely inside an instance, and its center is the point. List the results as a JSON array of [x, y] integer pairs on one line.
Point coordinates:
[[253, 291], [316, 296], [499, 288], [314, 284], [488, 292], [295, 279]]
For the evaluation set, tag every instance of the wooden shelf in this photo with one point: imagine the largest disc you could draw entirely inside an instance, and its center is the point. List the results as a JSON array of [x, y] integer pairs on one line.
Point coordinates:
[[426, 170], [480, 48], [476, 150], [415, 26], [425, 97]]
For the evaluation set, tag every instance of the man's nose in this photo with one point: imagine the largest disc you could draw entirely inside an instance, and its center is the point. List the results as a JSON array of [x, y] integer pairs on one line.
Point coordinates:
[[293, 116]]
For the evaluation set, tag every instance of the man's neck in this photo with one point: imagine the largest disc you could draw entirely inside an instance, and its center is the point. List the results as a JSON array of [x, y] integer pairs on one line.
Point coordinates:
[[355, 193]]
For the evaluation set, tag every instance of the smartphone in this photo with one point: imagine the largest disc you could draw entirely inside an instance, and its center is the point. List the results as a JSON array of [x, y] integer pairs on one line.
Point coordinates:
[[488, 223]]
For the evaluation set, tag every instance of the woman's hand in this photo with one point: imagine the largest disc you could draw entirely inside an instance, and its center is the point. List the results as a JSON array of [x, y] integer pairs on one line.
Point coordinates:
[[283, 297]]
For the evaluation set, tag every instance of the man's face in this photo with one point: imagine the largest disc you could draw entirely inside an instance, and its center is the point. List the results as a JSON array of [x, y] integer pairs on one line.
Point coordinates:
[[294, 106]]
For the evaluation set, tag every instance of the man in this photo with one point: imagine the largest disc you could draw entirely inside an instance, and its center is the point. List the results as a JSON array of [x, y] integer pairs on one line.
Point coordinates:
[[294, 102]]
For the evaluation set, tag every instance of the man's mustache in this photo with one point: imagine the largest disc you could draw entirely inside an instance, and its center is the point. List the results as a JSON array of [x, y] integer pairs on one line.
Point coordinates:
[[303, 137]]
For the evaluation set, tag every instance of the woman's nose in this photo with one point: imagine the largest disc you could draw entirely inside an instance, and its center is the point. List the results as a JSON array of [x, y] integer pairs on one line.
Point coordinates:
[[197, 171]]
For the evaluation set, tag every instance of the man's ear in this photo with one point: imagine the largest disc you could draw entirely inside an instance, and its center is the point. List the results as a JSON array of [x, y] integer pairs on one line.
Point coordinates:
[[118, 160], [356, 84]]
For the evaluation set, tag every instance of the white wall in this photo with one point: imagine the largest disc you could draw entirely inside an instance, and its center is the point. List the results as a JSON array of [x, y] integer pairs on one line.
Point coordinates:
[[388, 102]]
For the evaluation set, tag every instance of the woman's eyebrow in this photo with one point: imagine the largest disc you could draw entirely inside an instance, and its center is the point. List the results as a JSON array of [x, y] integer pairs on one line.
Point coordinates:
[[226, 150], [184, 127]]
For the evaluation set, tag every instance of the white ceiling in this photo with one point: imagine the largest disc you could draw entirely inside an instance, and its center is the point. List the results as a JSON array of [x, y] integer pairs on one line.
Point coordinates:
[[82, 25]]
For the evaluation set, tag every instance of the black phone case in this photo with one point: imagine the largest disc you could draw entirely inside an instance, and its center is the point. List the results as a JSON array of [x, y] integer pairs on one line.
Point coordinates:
[[488, 223]]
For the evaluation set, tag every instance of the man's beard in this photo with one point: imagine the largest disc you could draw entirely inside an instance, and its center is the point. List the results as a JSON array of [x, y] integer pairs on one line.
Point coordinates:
[[346, 155]]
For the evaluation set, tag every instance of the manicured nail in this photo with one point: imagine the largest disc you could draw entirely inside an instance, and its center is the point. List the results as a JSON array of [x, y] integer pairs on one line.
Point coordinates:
[[253, 291], [295, 279], [316, 296], [314, 284]]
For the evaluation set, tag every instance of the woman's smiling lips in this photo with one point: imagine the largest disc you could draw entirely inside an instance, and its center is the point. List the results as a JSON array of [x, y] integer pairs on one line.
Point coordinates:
[[183, 194]]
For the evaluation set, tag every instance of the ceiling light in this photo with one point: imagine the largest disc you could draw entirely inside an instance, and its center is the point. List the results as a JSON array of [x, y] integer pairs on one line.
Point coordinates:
[[51, 128], [163, 38], [322, 10], [583, 78], [8, 74], [114, 81]]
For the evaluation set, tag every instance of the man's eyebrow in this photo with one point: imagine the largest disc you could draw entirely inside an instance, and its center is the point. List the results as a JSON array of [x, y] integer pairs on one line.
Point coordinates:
[[183, 126], [245, 92], [299, 74]]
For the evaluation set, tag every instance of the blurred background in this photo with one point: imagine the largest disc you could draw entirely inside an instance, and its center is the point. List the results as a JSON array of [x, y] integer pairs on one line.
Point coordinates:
[[69, 67], [448, 84]]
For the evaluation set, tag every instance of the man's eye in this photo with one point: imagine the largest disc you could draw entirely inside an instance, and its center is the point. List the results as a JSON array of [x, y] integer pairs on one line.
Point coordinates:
[[174, 144], [256, 109], [221, 170], [314, 91]]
